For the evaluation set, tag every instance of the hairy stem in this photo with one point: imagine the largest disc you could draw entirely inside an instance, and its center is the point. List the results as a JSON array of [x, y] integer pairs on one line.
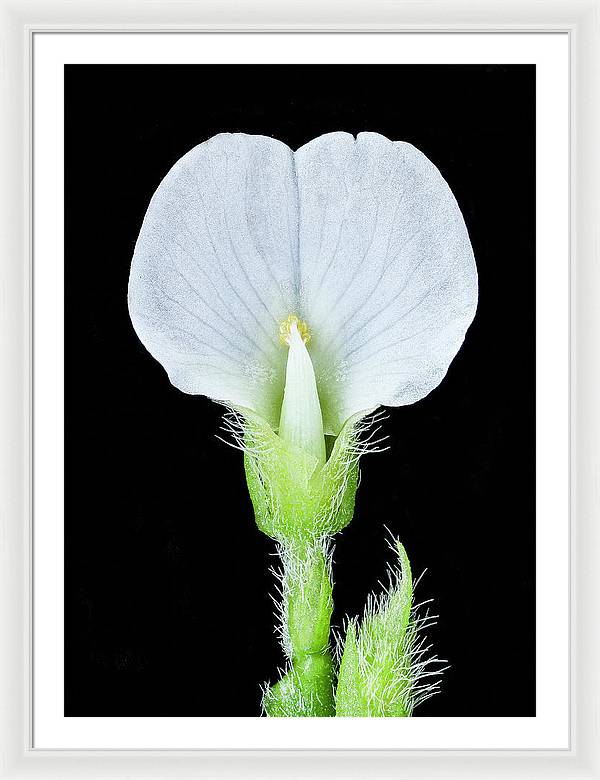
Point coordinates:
[[306, 689]]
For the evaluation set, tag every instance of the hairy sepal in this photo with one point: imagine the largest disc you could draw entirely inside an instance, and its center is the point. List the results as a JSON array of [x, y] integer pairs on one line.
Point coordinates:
[[295, 499]]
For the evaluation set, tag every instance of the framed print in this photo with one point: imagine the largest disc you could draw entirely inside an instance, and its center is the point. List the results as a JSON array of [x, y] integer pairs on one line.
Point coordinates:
[[381, 264], [349, 252]]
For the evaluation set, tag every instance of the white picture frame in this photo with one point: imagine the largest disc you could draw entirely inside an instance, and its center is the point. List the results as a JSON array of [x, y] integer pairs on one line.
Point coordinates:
[[19, 21]]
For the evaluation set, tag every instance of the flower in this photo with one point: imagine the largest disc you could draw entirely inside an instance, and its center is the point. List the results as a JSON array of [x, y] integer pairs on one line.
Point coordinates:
[[306, 288], [303, 290]]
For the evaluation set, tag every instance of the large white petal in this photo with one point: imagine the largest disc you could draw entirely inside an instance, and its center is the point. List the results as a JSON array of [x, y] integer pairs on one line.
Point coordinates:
[[387, 274], [214, 270]]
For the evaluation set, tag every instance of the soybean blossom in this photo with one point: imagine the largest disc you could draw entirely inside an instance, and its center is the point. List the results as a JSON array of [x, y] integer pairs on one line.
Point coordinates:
[[303, 290]]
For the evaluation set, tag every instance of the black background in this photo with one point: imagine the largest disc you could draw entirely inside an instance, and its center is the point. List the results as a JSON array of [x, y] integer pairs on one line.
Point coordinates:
[[167, 586]]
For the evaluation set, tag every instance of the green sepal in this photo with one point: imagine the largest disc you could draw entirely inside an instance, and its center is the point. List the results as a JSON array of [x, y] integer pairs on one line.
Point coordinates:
[[294, 498]]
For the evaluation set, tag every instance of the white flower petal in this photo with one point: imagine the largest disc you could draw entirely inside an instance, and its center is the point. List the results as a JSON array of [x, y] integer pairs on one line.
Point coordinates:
[[387, 275], [361, 238], [214, 271]]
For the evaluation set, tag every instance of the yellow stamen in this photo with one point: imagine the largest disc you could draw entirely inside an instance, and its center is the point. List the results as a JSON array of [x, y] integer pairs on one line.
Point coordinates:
[[286, 327]]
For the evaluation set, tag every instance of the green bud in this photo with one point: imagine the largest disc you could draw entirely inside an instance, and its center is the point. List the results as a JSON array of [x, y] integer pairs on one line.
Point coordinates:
[[377, 676], [349, 700]]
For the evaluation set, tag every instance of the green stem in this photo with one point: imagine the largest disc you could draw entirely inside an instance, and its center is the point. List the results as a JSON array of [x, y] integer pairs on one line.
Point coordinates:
[[306, 690]]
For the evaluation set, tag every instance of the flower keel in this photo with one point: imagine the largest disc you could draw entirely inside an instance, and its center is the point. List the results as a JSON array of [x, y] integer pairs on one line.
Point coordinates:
[[301, 421]]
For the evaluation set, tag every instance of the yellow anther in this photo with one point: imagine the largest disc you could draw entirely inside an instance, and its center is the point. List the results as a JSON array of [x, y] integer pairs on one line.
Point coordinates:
[[286, 327]]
